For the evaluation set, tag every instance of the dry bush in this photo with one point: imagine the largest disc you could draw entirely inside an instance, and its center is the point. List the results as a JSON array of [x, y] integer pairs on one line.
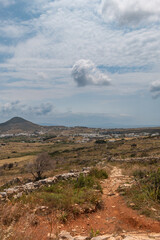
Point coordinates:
[[12, 213], [41, 164]]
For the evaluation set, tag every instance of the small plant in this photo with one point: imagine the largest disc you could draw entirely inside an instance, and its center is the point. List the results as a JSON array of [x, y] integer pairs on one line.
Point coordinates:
[[144, 154], [133, 155], [94, 233], [134, 145], [63, 217], [138, 173]]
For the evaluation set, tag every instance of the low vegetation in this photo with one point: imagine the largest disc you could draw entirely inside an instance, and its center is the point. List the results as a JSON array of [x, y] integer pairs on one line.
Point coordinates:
[[71, 197], [145, 193], [66, 153]]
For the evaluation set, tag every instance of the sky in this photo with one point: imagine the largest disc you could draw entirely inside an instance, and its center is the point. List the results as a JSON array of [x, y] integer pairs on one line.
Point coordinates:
[[80, 63]]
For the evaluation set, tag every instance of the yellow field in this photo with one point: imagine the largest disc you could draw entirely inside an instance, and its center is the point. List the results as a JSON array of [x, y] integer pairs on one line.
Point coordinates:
[[18, 159]]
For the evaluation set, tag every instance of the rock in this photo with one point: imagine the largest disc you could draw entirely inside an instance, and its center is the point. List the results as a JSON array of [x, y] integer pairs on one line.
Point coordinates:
[[102, 237], [153, 209], [3, 194], [18, 195], [119, 238], [51, 236], [81, 238], [41, 209], [11, 191], [111, 194], [122, 193], [132, 204], [65, 235]]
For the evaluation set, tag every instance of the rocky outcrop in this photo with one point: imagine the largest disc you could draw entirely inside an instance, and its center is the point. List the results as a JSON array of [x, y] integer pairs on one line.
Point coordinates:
[[64, 235], [17, 191]]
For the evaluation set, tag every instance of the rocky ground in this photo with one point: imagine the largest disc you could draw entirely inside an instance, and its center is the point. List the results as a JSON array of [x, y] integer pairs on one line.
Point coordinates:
[[64, 235], [115, 221]]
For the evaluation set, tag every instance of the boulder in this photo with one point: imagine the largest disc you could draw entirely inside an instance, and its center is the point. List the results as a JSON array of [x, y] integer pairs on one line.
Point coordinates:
[[64, 235]]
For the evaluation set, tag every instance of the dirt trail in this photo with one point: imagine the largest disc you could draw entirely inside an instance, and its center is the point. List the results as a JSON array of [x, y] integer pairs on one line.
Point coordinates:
[[115, 216]]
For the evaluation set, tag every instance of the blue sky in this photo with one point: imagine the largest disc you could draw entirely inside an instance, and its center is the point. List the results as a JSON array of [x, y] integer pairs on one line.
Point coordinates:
[[91, 63]]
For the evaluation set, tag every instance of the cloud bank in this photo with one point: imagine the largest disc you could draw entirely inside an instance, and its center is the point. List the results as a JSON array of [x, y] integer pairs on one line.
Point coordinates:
[[84, 72], [155, 89], [130, 13], [17, 108]]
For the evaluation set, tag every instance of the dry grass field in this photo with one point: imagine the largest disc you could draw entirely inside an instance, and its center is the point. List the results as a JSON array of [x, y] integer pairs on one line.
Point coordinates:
[[66, 201], [68, 155]]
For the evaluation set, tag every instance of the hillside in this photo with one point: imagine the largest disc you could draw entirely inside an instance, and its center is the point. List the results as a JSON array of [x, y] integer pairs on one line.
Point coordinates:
[[18, 124]]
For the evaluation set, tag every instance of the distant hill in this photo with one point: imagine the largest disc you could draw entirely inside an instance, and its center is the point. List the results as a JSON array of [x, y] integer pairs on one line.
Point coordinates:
[[17, 124], [20, 125]]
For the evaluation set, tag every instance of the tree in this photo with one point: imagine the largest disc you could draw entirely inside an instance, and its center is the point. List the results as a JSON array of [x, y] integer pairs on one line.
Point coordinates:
[[41, 164]]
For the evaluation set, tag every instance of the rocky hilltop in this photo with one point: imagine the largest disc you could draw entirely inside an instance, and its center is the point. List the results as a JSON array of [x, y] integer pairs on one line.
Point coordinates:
[[18, 124]]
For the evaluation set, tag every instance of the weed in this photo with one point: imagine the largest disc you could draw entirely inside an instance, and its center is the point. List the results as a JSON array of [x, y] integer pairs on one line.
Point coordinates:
[[94, 233], [63, 217]]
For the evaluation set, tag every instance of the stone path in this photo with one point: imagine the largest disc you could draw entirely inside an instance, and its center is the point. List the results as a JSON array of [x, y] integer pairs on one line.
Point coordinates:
[[116, 221]]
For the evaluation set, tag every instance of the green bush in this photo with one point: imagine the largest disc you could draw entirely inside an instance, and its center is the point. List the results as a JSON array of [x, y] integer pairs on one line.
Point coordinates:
[[153, 185], [149, 182], [83, 181], [98, 173], [138, 173]]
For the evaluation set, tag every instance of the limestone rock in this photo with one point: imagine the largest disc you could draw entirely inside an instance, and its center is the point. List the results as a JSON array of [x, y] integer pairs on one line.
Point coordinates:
[[64, 235], [81, 238], [51, 236], [102, 237]]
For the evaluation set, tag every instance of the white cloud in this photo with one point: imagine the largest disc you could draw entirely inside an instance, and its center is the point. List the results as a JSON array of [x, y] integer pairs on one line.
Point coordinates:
[[11, 29], [155, 89], [62, 32], [84, 73], [16, 107], [131, 13]]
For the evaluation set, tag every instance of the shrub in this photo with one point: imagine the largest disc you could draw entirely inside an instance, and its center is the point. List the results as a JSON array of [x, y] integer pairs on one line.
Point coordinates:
[[133, 155], [41, 164], [83, 181], [138, 173], [100, 141], [153, 185], [134, 145], [98, 173], [149, 182]]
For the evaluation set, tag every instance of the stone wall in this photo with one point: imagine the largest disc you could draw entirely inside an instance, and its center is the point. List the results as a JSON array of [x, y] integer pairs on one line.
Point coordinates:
[[17, 191], [138, 159]]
